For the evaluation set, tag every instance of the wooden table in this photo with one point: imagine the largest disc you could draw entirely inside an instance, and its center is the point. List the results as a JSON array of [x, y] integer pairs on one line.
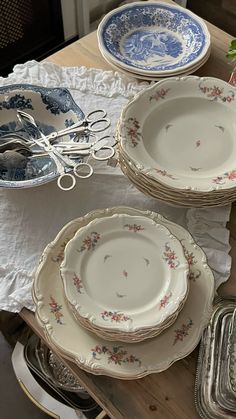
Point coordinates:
[[170, 394]]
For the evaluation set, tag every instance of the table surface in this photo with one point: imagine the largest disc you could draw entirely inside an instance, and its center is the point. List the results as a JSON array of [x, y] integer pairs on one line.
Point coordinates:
[[169, 394]]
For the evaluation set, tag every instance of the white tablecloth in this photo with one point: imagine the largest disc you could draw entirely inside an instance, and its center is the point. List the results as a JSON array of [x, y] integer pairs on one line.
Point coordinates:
[[31, 218]]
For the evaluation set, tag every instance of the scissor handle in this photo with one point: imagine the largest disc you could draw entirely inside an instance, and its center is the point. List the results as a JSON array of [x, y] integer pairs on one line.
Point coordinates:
[[107, 156], [95, 126], [99, 125], [62, 177], [94, 115], [83, 165]]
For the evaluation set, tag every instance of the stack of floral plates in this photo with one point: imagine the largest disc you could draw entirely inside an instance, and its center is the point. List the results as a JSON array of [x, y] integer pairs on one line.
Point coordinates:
[[177, 141], [154, 40], [148, 276], [125, 277]]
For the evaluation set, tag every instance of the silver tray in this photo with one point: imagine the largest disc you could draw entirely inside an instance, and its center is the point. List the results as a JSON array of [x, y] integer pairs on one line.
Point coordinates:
[[223, 391], [56, 371], [72, 399], [214, 398]]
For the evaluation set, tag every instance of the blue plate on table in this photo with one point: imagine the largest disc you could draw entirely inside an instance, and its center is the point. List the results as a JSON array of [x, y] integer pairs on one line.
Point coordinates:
[[53, 109], [153, 38]]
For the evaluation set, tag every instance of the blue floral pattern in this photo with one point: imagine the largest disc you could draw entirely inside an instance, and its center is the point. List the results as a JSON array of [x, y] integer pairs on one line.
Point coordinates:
[[17, 101], [57, 101], [141, 46], [153, 37]]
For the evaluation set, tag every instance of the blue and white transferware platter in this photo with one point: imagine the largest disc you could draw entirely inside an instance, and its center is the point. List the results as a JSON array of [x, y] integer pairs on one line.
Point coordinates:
[[53, 109], [150, 38]]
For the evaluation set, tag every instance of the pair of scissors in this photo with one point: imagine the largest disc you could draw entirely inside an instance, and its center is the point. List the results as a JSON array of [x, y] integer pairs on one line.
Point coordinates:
[[61, 161], [91, 148], [95, 121]]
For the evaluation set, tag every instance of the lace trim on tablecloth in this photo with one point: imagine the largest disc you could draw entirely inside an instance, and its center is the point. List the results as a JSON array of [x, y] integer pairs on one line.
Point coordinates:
[[96, 81]]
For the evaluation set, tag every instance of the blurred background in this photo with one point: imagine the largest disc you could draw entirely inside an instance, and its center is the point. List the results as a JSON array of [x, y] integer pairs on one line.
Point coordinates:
[[32, 29]]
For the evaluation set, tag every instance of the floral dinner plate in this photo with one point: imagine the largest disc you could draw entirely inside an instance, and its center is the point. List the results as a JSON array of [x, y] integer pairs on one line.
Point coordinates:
[[125, 361], [125, 273]]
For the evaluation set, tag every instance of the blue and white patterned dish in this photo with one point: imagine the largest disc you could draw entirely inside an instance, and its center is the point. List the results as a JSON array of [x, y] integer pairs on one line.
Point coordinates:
[[151, 38], [53, 109]]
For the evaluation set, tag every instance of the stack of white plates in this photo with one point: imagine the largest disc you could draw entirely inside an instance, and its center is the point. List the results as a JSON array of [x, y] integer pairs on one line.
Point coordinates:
[[154, 40], [127, 275], [177, 141]]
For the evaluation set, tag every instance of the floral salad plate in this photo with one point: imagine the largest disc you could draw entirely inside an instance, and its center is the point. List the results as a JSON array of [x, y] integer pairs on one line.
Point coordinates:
[[116, 359], [53, 109], [153, 38], [125, 273], [181, 133]]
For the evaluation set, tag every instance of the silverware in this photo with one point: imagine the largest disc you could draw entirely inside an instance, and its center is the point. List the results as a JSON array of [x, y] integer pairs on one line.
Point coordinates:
[[12, 160], [90, 124], [61, 162]]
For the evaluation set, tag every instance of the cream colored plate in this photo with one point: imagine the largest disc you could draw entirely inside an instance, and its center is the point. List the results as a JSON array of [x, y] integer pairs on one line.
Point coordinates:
[[181, 198], [118, 270], [125, 361], [182, 132]]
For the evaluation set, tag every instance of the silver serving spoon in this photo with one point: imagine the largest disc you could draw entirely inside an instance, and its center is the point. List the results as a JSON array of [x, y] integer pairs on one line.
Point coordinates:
[[12, 159], [16, 145]]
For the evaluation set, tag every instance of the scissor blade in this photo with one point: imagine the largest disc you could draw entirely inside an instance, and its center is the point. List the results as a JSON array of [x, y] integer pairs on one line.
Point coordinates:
[[73, 147], [100, 144]]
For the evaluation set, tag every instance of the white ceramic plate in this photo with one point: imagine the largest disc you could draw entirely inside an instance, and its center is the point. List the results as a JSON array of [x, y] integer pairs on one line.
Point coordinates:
[[125, 273], [125, 361], [182, 132]]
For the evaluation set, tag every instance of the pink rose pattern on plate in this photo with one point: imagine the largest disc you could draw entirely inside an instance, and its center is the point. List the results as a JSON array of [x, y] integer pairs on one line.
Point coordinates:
[[170, 257], [78, 283], [159, 94], [220, 180], [132, 131], [56, 310], [60, 256], [217, 93], [116, 355], [193, 275], [134, 227], [114, 316], [183, 331], [89, 243], [165, 301]]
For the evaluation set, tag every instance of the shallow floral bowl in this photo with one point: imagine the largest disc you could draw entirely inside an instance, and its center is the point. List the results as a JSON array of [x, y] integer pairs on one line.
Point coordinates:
[[53, 109], [181, 133]]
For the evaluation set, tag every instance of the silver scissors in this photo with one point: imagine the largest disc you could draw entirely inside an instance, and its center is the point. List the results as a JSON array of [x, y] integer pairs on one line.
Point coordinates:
[[85, 149], [95, 121], [61, 161], [89, 124]]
